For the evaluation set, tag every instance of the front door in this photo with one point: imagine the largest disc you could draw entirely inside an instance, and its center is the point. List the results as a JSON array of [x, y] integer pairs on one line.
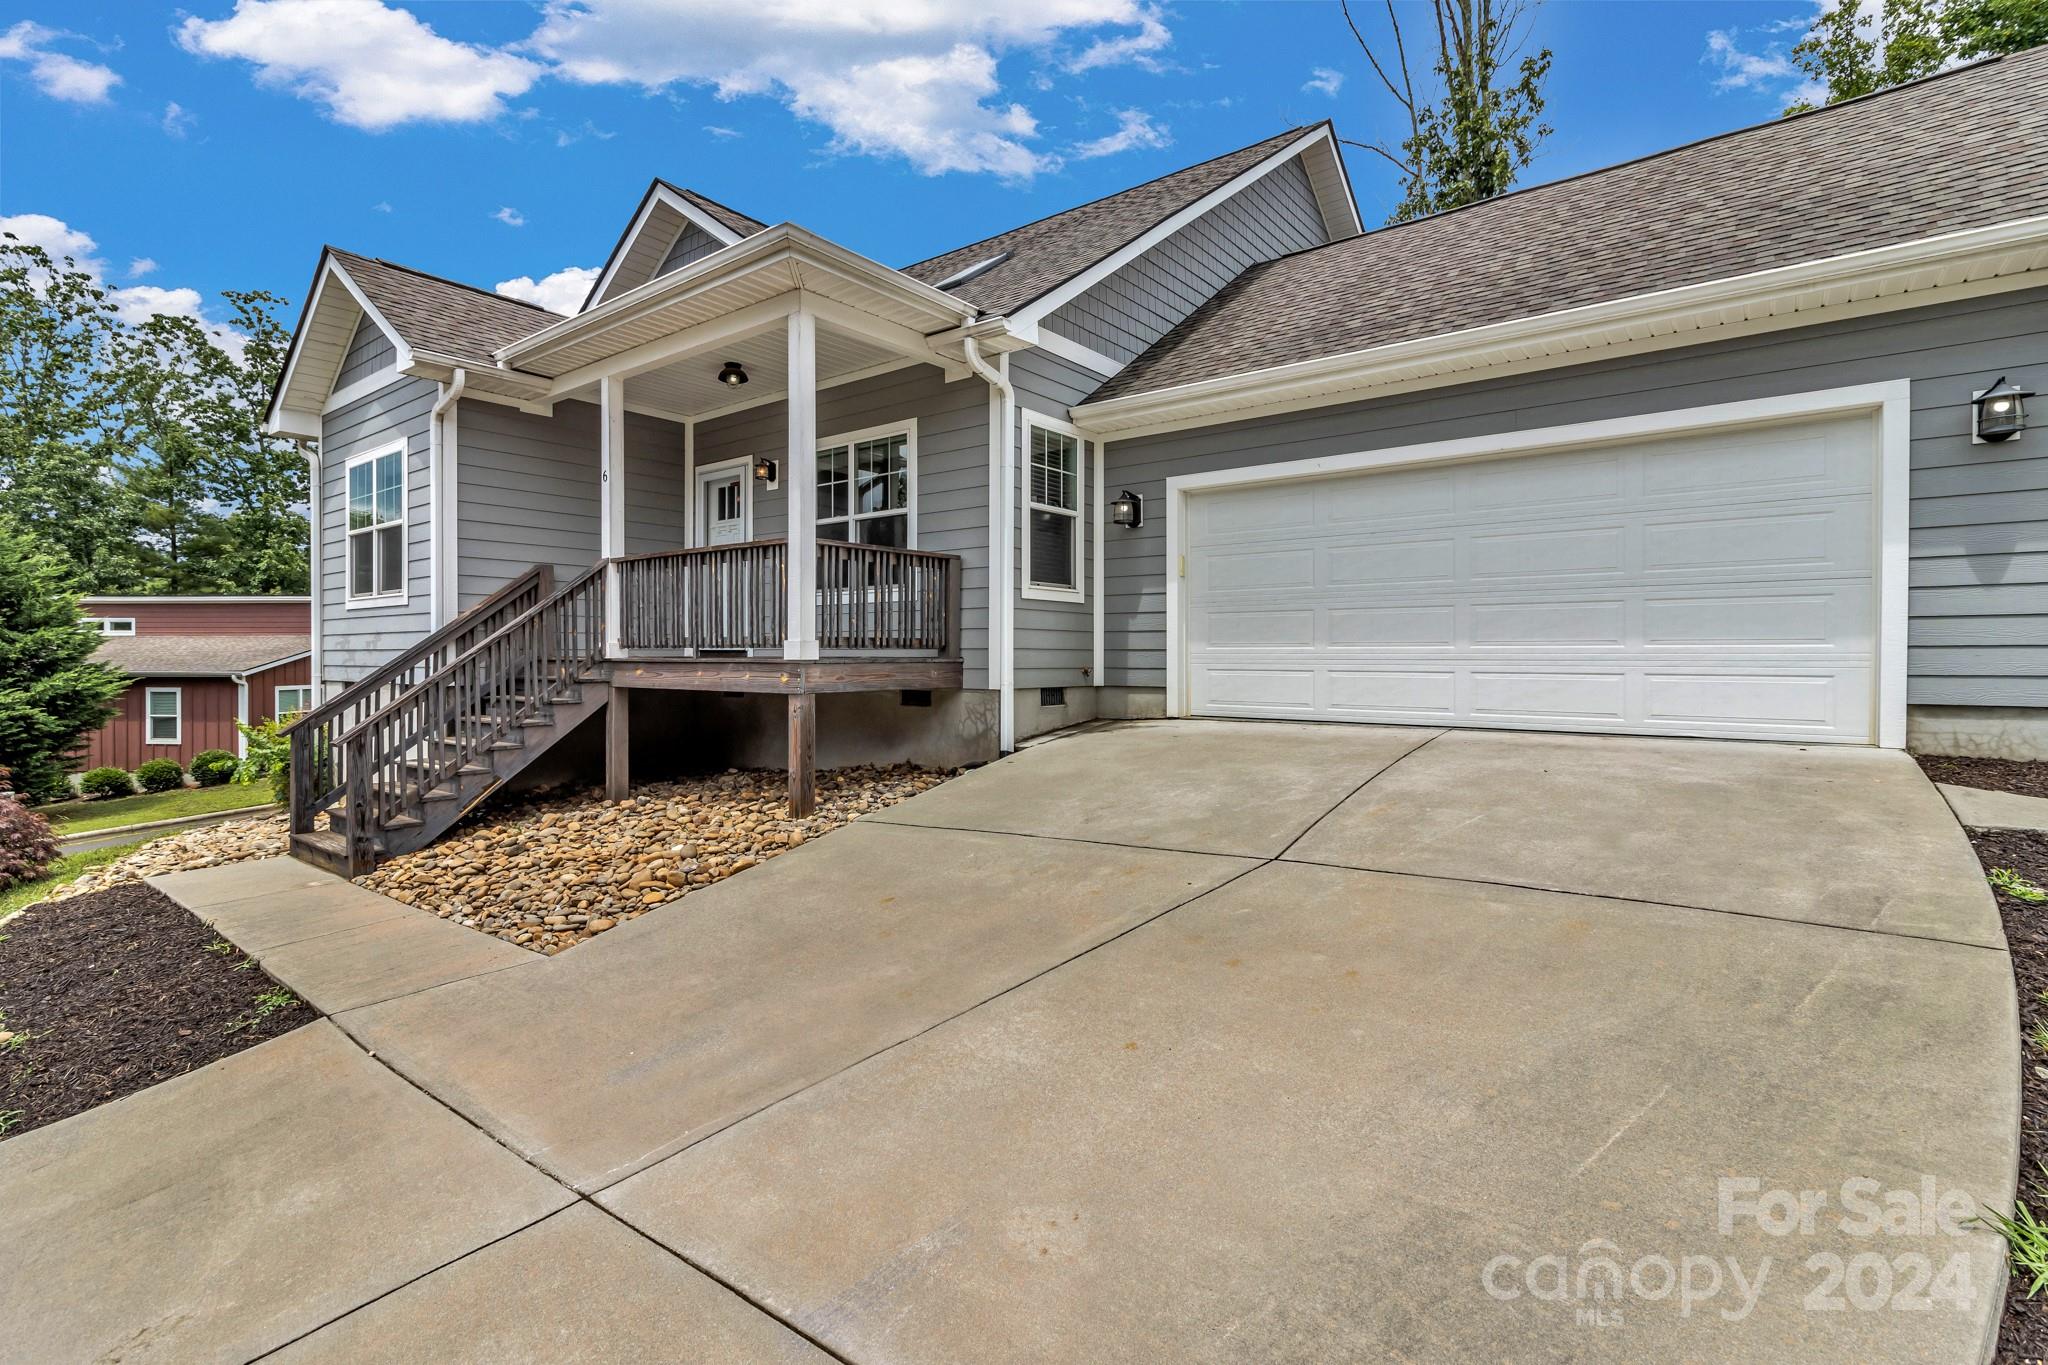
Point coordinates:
[[722, 498]]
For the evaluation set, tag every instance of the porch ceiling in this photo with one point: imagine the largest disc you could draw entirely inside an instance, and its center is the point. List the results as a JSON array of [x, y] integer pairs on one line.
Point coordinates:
[[689, 387]]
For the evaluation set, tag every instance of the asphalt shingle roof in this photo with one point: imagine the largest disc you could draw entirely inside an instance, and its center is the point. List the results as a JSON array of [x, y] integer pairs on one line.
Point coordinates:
[[1914, 162], [198, 655], [438, 315], [1047, 253], [732, 218]]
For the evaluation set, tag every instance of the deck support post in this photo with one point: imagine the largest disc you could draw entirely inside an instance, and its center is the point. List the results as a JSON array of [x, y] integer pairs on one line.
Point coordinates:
[[618, 773], [800, 488], [803, 754]]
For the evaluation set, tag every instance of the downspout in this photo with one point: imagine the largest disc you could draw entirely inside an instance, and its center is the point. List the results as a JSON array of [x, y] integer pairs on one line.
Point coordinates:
[[1002, 548], [316, 506], [241, 681], [438, 474]]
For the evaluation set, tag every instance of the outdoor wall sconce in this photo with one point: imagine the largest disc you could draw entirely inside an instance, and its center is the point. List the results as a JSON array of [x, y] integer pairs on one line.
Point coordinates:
[[733, 375], [1127, 509], [1998, 413], [765, 469]]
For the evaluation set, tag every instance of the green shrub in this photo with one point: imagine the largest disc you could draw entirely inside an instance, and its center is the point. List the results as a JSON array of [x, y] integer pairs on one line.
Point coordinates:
[[269, 755], [213, 767], [107, 782], [26, 844], [160, 775]]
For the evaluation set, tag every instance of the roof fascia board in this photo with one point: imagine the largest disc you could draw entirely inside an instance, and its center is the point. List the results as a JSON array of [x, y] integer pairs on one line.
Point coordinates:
[[1351, 216], [1885, 279], [192, 598], [1034, 312], [329, 270], [657, 193]]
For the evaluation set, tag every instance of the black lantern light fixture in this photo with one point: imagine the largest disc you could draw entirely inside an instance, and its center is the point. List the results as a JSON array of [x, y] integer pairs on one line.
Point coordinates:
[[1999, 413], [733, 375], [765, 469], [1127, 509]]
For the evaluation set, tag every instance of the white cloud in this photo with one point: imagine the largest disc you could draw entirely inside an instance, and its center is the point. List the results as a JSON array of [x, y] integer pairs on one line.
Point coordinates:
[[1325, 81], [716, 131], [510, 216], [885, 77], [135, 303], [561, 292], [56, 74], [178, 120], [1135, 131], [381, 206], [372, 66]]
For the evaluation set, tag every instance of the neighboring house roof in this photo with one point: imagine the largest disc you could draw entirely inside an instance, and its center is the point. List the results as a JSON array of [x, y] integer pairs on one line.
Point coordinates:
[[1917, 161], [199, 656], [442, 316], [731, 217], [1047, 253]]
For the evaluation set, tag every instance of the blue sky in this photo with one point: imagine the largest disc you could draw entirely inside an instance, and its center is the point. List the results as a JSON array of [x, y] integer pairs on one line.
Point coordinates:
[[217, 146]]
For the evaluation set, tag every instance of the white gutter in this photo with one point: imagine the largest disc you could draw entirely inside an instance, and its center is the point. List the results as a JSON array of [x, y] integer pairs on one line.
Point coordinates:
[[440, 471], [241, 681], [1002, 670]]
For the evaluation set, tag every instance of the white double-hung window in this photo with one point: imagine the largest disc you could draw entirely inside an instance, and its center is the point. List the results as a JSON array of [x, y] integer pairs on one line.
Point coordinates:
[[164, 711], [867, 485], [376, 525], [1052, 511]]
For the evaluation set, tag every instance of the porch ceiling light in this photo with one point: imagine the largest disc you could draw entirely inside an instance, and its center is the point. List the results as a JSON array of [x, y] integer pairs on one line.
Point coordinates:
[[764, 469], [733, 375], [1999, 413], [1127, 509]]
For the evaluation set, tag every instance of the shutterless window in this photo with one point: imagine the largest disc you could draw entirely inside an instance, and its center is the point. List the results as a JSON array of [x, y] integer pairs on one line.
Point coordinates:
[[115, 625], [864, 492], [376, 525], [1053, 532], [163, 713], [292, 700]]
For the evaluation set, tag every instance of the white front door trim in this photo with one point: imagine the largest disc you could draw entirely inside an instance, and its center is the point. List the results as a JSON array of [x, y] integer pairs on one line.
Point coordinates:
[[701, 507], [1890, 401]]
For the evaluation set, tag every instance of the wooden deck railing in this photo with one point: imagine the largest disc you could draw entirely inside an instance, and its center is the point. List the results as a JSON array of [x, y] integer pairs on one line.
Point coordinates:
[[878, 598]]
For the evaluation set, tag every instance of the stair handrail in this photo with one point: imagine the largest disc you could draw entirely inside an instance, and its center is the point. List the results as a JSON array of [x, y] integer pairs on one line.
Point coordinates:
[[315, 734], [462, 707]]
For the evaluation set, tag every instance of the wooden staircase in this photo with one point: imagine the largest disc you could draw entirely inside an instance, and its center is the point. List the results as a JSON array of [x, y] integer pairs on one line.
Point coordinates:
[[396, 759]]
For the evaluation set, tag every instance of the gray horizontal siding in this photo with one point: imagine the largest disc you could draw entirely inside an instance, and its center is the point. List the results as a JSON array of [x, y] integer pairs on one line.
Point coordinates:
[[354, 642], [1139, 303], [952, 471], [1979, 517], [1055, 641], [528, 491], [694, 244], [368, 352]]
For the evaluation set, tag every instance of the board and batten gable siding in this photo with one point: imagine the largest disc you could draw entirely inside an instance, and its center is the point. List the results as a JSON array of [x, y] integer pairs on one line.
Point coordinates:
[[692, 244], [527, 492], [952, 471], [1139, 303], [353, 642], [1055, 640], [1979, 515], [368, 352]]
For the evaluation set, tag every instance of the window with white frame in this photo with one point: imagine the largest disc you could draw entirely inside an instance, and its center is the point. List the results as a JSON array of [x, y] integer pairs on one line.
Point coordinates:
[[292, 700], [1052, 531], [163, 711], [865, 488], [376, 524], [114, 625]]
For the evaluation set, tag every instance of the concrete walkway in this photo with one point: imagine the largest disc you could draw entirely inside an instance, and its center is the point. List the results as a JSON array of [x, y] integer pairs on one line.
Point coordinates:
[[1179, 1040], [1982, 809]]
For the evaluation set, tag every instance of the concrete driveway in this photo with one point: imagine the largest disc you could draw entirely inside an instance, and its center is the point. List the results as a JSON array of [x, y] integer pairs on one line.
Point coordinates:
[[1177, 1040]]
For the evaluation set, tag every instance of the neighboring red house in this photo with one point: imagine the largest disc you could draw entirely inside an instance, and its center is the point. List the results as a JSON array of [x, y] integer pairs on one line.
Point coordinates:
[[199, 664]]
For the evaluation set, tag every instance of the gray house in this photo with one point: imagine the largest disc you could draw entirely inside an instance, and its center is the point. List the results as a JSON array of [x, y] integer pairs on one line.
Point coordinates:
[[1693, 445]]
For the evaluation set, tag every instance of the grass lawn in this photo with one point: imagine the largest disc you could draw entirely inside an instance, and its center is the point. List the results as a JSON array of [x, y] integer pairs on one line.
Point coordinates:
[[79, 817], [62, 872]]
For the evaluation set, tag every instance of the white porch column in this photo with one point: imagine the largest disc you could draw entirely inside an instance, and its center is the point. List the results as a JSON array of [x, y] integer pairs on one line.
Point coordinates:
[[800, 485], [611, 509]]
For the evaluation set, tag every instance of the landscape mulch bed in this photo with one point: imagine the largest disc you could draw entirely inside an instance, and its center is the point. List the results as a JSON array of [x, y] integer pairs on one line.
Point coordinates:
[[1993, 774], [2023, 1336], [109, 993]]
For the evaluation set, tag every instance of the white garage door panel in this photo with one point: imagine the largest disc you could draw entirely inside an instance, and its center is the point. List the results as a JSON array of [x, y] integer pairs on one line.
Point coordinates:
[[1714, 584]]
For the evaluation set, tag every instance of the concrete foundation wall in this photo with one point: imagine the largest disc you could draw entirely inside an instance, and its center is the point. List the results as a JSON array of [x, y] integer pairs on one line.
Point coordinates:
[[1034, 717], [751, 731], [1978, 731]]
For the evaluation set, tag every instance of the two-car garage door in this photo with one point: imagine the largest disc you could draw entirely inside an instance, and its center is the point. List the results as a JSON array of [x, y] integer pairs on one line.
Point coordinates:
[[1712, 584]]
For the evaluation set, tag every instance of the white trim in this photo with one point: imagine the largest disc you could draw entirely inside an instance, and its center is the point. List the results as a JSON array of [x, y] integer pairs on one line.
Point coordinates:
[[361, 389], [1890, 402], [1041, 592], [316, 514], [177, 718], [1034, 312], [277, 698], [242, 714], [1917, 274], [1099, 623], [907, 429], [1006, 541], [611, 467], [144, 599], [800, 469], [690, 484], [101, 624], [657, 193], [328, 269], [719, 469], [1066, 348], [446, 473], [403, 596]]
